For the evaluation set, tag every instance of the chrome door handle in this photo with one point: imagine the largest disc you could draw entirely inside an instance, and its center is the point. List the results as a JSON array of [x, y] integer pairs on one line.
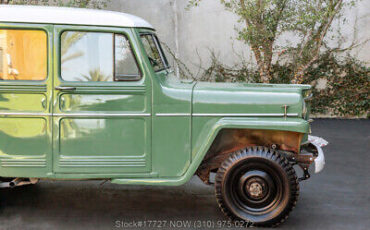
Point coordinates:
[[65, 88]]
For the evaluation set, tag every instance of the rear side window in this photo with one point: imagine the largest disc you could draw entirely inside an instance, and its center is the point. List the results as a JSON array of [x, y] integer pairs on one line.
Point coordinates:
[[95, 56], [23, 55]]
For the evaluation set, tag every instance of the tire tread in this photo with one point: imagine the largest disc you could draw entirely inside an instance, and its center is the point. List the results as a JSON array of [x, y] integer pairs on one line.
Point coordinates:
[[269, 154]]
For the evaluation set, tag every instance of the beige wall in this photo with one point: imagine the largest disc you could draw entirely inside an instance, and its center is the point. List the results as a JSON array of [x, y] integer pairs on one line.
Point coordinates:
[[192, 34]]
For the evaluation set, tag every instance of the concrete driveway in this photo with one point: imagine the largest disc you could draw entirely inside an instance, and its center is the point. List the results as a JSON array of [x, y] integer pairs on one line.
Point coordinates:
[[338, 198]]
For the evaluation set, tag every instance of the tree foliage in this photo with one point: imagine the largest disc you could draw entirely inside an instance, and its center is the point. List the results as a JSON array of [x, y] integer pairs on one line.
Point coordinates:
[[263, 22], [347, 86], [98, 4]]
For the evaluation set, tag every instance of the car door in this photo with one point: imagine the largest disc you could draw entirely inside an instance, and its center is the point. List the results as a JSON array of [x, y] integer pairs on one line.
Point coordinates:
[[102, 103], [25, 100]]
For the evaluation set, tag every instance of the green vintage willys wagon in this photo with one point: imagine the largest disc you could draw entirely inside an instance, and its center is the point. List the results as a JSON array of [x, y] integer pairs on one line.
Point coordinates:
[[88, 94]]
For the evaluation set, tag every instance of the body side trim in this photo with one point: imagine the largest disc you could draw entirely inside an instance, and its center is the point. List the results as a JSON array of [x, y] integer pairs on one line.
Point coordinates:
[[173, 114], [4, 114], [226, 114], [244, 115], [101, 114]]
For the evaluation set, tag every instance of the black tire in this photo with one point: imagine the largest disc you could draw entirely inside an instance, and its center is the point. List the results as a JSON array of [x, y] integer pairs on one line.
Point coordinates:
[[257, 186]]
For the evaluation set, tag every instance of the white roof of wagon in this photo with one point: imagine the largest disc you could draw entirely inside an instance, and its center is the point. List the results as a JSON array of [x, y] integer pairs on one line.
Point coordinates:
[[71, 16]]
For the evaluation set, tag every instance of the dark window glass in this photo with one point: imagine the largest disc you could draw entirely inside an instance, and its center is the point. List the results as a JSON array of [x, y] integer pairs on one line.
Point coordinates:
[[154, 51]]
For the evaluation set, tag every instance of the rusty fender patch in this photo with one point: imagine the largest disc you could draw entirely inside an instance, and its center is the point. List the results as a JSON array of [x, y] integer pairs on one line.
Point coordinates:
[[231, 140]]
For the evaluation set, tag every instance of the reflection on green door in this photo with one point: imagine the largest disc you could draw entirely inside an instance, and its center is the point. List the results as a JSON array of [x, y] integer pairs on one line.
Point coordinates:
[[25, 96], [101, 126]]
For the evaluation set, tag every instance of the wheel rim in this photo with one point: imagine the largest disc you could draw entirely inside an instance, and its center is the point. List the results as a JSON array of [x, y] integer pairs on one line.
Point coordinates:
[[255, 188]]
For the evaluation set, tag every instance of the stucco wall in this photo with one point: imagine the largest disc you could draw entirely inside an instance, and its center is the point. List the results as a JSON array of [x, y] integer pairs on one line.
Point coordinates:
[[191, 34]]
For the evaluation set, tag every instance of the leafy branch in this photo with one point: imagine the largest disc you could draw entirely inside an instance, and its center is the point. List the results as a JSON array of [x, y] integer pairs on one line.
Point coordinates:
[[263, 22]]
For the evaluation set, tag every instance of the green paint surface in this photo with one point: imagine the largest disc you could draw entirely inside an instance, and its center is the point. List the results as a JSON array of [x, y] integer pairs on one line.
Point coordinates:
[[156, 130]]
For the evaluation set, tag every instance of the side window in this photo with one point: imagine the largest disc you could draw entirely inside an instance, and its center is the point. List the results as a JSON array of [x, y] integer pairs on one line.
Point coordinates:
[[153, 52], [93, 56], [125, 63], [87, 56], [23, 55]]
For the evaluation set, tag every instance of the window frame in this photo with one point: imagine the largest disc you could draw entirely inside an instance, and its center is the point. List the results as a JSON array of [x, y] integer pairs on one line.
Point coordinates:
[[139, 77], [160, 50], [27, 27]]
